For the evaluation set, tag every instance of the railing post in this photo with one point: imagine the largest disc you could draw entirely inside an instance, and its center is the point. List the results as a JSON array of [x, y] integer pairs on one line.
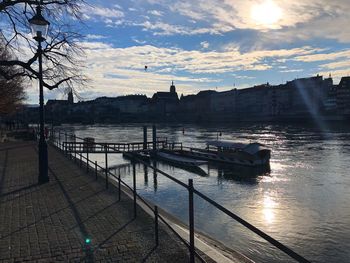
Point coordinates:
[[96, 170], [145, 137], [81, 159], [87, 159], [119, 185], [154, 137], [155, 181], [191, 218], [65, 143], [106, 166], [134, 184], [59, 138], [70, 151], [156, 225], [75, 148]]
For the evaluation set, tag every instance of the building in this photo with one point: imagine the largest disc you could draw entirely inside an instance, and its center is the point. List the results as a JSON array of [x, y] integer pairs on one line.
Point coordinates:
[[343, 96], [223, 105], [58, 110], [165, 104]]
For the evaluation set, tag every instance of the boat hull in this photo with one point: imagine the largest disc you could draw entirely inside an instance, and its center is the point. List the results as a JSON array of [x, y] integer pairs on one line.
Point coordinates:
[[227, 159]]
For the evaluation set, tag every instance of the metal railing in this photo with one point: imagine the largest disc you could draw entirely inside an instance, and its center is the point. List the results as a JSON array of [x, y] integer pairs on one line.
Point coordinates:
[[83, 146], [90, 165], [191, 191]]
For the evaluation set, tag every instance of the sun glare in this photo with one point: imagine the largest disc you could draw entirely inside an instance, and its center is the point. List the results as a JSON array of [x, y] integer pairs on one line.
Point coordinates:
[[266, 13]]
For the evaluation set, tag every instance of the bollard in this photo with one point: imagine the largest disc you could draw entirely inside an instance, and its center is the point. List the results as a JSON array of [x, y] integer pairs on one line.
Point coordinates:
[[119, 189], [96, 170], [191, 218], [106, 166], [156, 225], [134, 184]]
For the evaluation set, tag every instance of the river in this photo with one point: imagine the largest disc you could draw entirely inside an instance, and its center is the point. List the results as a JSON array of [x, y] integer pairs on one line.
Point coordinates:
[[304, 201]]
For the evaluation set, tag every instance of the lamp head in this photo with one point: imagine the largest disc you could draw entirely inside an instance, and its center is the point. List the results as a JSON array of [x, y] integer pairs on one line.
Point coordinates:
[[39, 25]]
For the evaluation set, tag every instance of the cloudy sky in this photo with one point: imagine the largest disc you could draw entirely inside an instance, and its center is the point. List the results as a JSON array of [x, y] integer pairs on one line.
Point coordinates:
[[211, 44]]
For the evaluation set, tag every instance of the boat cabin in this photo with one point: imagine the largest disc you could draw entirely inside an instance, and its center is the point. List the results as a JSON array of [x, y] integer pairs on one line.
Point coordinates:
[[235, 147]]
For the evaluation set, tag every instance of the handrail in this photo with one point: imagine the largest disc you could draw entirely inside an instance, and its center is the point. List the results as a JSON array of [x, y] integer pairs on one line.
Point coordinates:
[[243, 222], [82, 157], [257, 231]]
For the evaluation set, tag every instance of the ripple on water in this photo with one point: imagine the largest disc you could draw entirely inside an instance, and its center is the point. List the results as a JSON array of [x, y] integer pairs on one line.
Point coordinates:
[[303, 202]]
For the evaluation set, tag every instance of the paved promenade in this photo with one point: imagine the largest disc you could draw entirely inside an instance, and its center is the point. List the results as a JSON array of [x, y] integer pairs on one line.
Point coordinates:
[[50, 222]]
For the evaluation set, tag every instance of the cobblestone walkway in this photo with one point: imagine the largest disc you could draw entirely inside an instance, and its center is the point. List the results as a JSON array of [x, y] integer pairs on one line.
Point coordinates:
[[50, 222]]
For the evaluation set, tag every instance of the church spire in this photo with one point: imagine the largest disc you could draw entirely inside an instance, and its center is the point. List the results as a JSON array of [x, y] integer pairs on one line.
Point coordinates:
[[70, 97], [172, 87]]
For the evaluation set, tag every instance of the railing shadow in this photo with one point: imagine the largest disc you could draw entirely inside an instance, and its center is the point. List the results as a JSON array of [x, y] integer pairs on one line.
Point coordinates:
[[19, 190], [48, 216], [114, 233]]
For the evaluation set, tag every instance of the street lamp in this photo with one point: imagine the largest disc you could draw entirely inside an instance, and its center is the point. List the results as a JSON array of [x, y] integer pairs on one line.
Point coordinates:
[[39, 26]]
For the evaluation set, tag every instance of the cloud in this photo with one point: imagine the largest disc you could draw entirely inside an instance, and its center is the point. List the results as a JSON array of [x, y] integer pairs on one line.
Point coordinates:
[[204, 44], [164, 29], [289, 20], [94, 12], [120, 71], [94, 37], [343, 54], [155, 12]]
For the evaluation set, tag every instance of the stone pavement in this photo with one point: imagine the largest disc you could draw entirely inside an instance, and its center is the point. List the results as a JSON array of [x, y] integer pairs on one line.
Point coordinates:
[[50, 222]]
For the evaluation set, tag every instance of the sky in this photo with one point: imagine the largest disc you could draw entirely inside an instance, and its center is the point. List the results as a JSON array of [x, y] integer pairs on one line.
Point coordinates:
[[209, 44]]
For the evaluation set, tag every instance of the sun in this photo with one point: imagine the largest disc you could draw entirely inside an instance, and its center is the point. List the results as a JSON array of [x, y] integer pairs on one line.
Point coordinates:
[[266, 13]]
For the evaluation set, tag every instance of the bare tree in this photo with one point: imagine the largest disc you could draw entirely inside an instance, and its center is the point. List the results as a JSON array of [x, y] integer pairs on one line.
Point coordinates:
[[61, 52], [11, 91]]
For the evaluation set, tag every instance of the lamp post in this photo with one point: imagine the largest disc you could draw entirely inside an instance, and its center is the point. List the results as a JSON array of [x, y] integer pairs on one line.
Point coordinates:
[[39, 27]]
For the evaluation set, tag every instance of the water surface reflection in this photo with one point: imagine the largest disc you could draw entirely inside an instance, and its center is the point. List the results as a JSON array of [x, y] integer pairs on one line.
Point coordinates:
[[303, 201]]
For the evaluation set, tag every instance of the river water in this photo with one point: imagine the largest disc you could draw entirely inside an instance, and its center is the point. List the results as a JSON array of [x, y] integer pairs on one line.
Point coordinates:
[[303, 201]]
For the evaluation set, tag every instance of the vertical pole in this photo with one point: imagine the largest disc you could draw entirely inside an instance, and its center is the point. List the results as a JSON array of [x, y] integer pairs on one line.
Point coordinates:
[[59, 138], [119, 185], [134, 184], [43, 157], [75, 148], [81, 159], [156, 225], [65, 143], [87, 159], [145, 168], [191, 218], [154, 137], [145, 137], [106, 166], [155, 182], [96, 170]]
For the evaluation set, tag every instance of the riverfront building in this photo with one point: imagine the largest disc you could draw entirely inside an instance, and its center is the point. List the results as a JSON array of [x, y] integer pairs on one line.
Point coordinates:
[[302, 98]]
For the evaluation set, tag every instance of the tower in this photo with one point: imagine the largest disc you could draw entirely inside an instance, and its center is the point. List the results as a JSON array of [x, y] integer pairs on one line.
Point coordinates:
[[70, 97], [172, 87]]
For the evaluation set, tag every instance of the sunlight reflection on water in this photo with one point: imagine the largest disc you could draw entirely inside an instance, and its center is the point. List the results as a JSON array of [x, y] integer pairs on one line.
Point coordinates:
[[304, 201]]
